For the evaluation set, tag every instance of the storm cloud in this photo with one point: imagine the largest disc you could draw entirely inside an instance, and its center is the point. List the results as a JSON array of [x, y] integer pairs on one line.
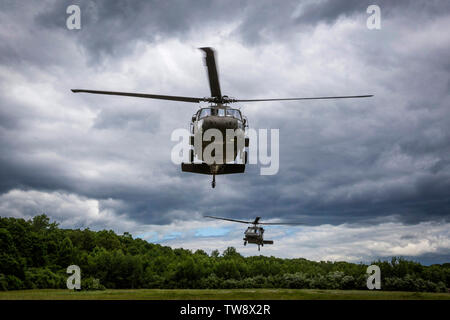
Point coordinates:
[[104, 162]]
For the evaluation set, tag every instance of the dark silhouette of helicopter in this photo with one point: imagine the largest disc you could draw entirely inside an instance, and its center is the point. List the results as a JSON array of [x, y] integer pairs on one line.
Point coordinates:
[[255, 233], [218, 115]]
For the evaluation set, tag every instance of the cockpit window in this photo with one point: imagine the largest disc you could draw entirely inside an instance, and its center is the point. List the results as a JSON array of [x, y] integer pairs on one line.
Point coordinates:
[[218, 112], [206, 112], [234, 113]]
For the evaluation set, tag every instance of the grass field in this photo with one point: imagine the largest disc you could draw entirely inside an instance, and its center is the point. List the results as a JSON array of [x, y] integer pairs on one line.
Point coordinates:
[[235, 294]]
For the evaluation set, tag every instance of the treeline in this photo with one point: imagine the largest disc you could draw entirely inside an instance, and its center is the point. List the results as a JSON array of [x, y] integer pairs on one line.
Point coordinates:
[[36, 253]]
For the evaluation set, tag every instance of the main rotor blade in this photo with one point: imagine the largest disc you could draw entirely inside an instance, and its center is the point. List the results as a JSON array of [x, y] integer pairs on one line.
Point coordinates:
[[213, 77], [234, 220], [142, 95], [282, 223], [312, 98]]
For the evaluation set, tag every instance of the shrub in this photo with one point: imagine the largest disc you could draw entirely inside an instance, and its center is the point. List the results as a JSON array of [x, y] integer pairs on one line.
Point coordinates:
[[14, 283], [3, 283], [44, 278], [91, 284]]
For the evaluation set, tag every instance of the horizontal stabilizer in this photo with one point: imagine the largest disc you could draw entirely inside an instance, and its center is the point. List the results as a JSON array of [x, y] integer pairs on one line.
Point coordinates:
[[268, 241], [204, 168]]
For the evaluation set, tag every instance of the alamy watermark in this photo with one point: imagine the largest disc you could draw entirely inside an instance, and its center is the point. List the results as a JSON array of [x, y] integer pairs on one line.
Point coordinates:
[[74, 281], [374, 20], [73, 21], [374, 279]]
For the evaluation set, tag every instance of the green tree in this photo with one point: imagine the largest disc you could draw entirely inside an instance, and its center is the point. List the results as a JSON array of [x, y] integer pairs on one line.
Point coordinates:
[[65, 253], [215, 253]]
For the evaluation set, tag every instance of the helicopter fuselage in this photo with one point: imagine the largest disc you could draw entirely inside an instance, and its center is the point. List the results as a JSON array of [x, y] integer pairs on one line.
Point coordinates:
[[218, 135], [255, 235]]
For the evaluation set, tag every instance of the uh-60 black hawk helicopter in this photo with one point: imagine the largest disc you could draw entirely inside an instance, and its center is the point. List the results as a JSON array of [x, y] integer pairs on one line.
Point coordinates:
[[255, 233], [220, 116]]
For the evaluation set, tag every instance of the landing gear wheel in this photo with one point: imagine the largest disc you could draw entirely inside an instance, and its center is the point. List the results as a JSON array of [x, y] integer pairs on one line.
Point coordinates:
[[213, 183], [245, 243]]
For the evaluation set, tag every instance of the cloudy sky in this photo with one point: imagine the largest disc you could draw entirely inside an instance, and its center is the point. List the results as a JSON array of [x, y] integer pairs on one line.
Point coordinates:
[[369, 177]]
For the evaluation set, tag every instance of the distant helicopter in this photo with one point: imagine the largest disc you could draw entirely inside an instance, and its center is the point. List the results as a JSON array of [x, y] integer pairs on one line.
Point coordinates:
[[218, 115], [255, 233]]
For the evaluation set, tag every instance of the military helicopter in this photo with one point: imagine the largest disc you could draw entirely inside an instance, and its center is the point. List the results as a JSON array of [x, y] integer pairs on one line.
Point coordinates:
[[255, 233], [220, 116]]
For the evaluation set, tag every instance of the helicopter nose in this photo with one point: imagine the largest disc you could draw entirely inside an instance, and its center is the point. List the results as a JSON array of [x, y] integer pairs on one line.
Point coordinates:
[[221, 123]]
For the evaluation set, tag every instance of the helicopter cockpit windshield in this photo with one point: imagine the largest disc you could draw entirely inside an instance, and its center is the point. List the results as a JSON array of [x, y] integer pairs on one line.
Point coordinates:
[[252, 231], [233, 113], [206, 112]]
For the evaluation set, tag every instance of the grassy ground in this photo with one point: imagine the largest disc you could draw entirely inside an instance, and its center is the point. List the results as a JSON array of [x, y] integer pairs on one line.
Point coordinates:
[[235, 294]]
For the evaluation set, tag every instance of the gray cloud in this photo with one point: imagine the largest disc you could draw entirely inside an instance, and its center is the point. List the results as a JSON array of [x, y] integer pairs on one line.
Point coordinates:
[[359, 162]]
